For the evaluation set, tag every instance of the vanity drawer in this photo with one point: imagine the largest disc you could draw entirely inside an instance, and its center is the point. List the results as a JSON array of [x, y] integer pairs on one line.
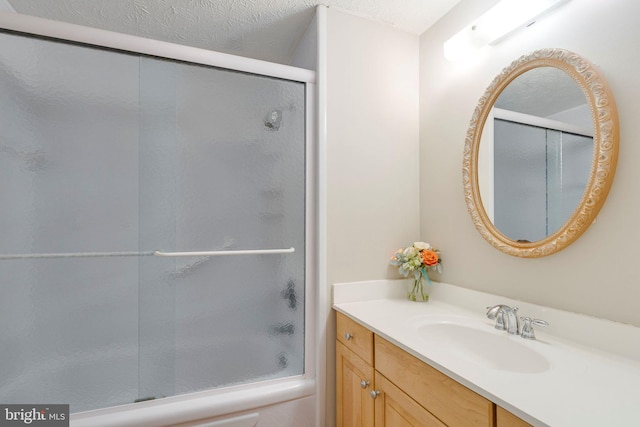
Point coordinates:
[[450, 401], [355, 337]]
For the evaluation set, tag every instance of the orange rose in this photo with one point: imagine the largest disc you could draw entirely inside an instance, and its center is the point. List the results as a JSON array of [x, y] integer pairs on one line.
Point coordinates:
[[429, 257]]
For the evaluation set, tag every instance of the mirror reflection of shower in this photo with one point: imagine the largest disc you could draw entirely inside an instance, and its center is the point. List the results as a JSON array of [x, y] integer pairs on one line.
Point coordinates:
[[273, 120]]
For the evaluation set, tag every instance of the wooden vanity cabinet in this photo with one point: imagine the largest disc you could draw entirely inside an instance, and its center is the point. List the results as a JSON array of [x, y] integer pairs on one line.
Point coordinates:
[[505, 418], [380, 385], [357, 378], [354, 374]]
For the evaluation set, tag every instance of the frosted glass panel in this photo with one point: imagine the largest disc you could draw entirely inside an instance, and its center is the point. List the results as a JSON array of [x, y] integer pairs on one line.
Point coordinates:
[[107, 152], [227, 174], [68, 183]]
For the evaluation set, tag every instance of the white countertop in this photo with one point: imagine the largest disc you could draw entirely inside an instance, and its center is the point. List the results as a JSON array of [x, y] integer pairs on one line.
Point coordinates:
[[569, 382]]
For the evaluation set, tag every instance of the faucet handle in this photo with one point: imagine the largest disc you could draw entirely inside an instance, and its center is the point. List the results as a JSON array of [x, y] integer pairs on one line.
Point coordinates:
[[527, 328], [498, 312]]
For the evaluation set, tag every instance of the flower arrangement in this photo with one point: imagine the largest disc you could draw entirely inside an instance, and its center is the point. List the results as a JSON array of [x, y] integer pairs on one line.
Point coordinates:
[[417, 260]]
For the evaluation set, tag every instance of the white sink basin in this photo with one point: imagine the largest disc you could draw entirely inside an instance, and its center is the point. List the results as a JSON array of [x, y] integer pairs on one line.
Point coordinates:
[[478, 343]]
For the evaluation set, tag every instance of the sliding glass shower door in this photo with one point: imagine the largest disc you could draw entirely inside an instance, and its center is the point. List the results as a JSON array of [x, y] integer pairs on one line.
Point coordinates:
[[117, 171], [221, 169]]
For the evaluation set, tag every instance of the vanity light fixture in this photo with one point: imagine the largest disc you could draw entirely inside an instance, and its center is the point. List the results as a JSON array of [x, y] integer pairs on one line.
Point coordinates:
[[496, 24]]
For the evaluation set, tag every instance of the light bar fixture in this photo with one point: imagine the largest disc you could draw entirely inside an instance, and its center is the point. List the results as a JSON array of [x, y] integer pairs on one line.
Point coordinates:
[[494, 25]]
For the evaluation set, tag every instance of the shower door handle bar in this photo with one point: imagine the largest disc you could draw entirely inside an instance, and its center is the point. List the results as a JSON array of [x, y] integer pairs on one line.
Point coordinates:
[[75, 255], [226, 253], [149, 253]]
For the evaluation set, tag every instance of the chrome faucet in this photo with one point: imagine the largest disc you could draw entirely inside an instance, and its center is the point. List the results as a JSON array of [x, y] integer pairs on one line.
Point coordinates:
[[506, 318]]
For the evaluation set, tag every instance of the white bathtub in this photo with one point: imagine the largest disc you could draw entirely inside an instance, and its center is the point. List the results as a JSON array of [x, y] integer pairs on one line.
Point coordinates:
[[286, 402]]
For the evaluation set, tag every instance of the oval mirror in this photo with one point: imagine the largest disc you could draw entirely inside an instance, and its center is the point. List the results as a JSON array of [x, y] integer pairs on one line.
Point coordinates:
[[540, 153]]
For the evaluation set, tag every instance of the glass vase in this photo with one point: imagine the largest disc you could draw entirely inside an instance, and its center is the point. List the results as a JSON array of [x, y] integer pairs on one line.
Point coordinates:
[[418, 291]]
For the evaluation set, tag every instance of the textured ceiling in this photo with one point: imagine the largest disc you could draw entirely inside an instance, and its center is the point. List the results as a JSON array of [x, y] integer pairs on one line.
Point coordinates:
[[542, 92], [262, 29]]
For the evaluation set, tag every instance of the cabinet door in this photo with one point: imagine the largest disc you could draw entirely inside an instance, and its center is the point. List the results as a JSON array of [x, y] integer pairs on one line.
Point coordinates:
[[393, 408], [354, 382]]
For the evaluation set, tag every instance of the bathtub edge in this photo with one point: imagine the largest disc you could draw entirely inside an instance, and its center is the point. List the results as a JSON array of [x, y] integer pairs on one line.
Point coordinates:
[[197, 406]]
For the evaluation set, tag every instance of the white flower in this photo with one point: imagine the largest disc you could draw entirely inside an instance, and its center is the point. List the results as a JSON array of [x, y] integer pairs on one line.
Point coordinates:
[[421, 246], [410, 252]]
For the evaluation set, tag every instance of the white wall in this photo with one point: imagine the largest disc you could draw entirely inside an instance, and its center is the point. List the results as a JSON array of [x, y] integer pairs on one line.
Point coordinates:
[[372, 177], [306, 53], [372, 145], [597, 274]]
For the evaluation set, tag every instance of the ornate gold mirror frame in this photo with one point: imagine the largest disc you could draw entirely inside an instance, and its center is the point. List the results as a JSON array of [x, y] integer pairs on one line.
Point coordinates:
[[605, 154]]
